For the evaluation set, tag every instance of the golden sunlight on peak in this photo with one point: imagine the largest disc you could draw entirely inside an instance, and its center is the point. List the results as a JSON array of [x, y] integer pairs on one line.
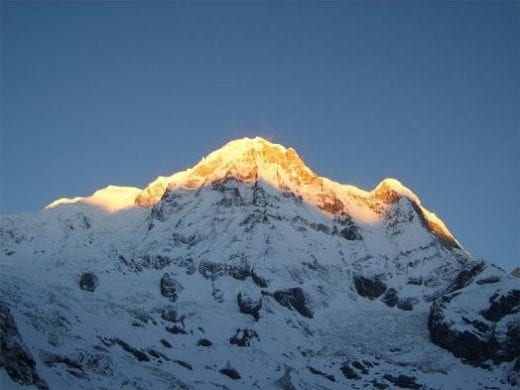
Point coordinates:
[[250, 160], [391, 182], [110, 199], [390, 190], [61, 201], [246, 143]]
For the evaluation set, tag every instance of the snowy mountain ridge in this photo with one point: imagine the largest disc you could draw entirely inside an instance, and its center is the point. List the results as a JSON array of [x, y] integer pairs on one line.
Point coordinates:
[[250, 160], [250, 271]]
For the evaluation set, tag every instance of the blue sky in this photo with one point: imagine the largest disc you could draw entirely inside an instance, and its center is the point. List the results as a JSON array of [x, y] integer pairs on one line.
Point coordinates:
[[100, 93]]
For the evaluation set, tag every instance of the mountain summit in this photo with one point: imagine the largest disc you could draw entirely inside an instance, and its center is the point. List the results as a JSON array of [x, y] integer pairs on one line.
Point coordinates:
[[244, 159], [249, 160], [250, 271]]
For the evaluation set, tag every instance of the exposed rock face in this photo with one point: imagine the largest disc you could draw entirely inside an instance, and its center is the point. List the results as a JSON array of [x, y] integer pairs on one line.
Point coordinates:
[[293, 298], [249, 305], [243, 337], [136, 353], [390, 298], [360, 367], [184, 364], [169, 314], [403, 381], [166, 343], [465, 344], [466, 276], [478, 321], [230, 372], [316, 371], [170, 288], [285, 382], [502, 306], [512, 342], [204, 343], [350, 233], [73, 366], [407, 304], [514, 374], [240, 271], [15, 358], [175, 329], [349, 372], [88, 281], [369, 288]]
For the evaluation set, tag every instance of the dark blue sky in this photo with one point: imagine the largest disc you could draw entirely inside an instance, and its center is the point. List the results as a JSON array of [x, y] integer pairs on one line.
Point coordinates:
[[119, 92]]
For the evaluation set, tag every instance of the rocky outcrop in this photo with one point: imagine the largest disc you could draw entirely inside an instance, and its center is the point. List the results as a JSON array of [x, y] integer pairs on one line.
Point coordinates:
[[88, 281], [470, 345], [513, 377], [316, 371], [175, 329], [478, 321], [204, 343], [294, 298], [502, 305], [240, 271], [155, 261], [346, 228], [360, 367], [230, 372], [370, 288], [243, 337], [466, 276], [390, 298], [184, 364], [403, 381], [15, 357], [166, 343], [349, 372], [136, 353], [248, 305], [170, 288], [73, 367], [285, 382], [170, 314], [350, 233], [407, 304]]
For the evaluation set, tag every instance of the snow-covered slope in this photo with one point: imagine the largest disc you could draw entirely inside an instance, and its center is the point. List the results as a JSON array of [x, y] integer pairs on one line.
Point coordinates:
[[250, 271]]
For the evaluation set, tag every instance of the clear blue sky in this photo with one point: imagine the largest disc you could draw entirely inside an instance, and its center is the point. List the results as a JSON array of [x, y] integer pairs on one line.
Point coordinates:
[[105, 93]]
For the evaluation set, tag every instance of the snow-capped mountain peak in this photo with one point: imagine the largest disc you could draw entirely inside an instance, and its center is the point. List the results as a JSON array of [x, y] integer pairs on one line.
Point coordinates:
[[250, 271], [251, 160], [247, 160]]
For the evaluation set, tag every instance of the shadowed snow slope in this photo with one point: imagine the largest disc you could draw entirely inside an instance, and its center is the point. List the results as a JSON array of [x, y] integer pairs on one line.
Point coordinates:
[[250, 271]]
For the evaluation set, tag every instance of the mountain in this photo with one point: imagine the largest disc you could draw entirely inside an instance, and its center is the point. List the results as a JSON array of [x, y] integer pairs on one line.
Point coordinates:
[[250, 271]]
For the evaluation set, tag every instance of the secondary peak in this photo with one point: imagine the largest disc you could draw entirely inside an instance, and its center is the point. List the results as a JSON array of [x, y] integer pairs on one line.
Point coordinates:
[[391, 190]]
